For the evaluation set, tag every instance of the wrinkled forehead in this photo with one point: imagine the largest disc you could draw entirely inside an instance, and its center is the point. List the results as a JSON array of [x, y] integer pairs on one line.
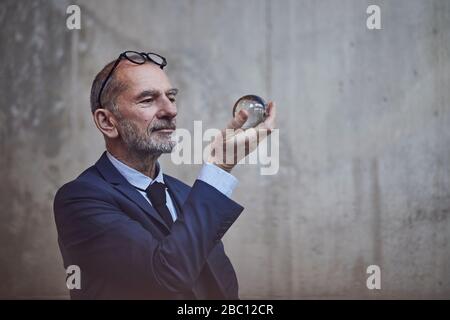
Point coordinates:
[[147, 76]]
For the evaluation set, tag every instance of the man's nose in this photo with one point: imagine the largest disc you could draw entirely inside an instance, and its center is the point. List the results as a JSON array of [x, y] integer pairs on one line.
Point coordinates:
[[167, 109]]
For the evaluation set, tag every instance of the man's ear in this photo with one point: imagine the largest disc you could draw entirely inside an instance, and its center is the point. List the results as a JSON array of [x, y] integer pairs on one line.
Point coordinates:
[[106, 123]]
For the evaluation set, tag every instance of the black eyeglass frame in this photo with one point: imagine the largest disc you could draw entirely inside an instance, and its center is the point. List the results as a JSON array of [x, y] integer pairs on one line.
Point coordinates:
[[145, 56]]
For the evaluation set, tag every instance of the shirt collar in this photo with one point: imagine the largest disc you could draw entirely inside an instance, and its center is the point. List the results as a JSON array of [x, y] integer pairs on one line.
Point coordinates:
[[134, 177]]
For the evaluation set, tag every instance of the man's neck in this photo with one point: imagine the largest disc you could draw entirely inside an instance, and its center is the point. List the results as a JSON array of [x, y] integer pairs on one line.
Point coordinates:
[[145, 164]]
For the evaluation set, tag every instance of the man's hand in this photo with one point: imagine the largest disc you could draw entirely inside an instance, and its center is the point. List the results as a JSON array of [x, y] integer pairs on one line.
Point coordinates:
[[234, 143]]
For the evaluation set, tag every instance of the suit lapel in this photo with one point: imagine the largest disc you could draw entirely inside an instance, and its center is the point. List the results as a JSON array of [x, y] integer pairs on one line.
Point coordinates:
[[131, 193], [110, 173]]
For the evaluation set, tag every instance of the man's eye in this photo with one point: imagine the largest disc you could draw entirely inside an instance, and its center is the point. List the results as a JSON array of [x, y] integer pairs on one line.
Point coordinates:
[[147, 100], [172, 99]]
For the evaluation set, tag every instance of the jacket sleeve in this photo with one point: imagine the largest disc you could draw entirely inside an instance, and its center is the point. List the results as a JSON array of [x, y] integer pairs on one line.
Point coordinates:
[[107, 244]]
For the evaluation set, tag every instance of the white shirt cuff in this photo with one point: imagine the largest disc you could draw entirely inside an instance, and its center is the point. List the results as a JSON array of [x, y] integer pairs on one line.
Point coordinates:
[[218, 178]]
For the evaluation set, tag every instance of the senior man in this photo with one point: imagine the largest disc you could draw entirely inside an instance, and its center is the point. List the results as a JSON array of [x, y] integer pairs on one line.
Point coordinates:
[[134, 232]]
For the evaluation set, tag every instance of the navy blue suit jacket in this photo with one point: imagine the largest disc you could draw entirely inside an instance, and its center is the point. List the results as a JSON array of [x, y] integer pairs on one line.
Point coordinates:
[[126, 251]]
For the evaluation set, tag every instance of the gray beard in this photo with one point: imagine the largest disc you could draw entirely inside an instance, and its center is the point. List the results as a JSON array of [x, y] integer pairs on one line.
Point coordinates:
[[143, 144]]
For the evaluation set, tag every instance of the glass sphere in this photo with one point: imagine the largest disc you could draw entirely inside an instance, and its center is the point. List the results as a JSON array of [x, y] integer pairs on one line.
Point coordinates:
[[256, 108]]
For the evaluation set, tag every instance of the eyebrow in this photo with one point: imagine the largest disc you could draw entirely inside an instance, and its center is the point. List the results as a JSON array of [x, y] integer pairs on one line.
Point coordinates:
[[148, 93]]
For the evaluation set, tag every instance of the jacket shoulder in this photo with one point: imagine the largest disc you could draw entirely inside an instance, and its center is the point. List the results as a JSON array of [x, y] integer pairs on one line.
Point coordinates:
[[88, 183]]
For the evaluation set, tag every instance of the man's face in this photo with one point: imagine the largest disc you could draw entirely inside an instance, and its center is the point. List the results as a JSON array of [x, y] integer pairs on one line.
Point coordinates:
[[147, 109]]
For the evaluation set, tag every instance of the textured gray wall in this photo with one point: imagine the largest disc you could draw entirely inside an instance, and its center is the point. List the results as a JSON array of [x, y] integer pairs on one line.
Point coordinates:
[[365, 134]]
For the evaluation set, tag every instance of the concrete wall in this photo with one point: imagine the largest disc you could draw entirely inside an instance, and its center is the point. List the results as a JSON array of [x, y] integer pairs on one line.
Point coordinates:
[[364, 141]]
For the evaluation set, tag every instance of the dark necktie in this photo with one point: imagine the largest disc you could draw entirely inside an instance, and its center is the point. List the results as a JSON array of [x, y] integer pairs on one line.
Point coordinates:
[[156, 192]]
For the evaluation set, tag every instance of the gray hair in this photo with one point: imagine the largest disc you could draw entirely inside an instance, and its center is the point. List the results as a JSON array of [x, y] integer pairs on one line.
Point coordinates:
[[110, 92]]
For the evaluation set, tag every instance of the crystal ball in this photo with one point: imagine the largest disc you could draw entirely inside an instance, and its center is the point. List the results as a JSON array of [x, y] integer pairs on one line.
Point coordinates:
[[256, 108]]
